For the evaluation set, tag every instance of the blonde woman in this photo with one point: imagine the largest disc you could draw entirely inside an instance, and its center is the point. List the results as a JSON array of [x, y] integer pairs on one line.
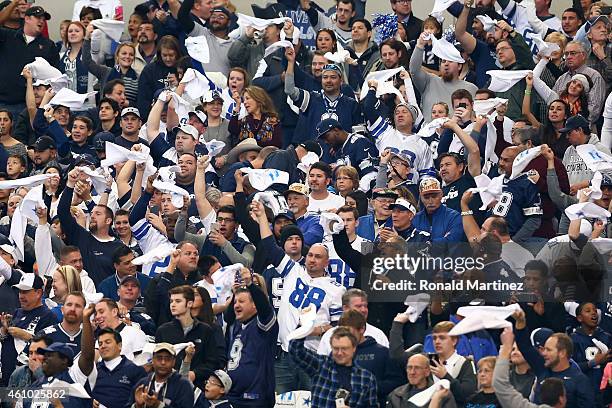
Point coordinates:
[[124, 59], [261, 122], [66, 279]]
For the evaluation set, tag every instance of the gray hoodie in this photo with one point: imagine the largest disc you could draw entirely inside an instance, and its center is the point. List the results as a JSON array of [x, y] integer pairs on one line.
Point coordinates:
[[506, 394]]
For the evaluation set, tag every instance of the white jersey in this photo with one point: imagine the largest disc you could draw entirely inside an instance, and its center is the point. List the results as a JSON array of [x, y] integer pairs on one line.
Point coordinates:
[[300, 291], [332, 201], [370, 331], [524, 20], [338, 269], [387, 137], [150, 240]]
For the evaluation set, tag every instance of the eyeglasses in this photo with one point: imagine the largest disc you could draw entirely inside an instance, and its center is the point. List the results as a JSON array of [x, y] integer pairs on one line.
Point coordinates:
[[213, 383], [572, 53], [500, 49], [222, 220], [396, 163]]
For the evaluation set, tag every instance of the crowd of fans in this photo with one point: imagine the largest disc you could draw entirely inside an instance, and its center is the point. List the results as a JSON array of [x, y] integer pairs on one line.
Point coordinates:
[[197, 204]]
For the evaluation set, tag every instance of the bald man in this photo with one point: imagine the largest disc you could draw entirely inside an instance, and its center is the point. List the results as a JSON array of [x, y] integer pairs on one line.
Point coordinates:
[[520, 202], [419, 379]]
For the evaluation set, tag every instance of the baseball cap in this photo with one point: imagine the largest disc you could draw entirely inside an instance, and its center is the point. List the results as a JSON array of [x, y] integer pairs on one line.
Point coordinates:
[[296, 188], [429, 185], [29, 281], [200, 115], [332, 67], [164, 347], [574, 122], [384, 193], [132, 110], [596, 20], [190, 130], [100, 139], [58, 347], [326, 125], [403, 204], [9, 249], [285, 213], [84, 158], [38, 11], [539, 336], [312, 146], [403, 157], [129, 278], [224, 378], [606, 180], [221, 10], [43, 143]]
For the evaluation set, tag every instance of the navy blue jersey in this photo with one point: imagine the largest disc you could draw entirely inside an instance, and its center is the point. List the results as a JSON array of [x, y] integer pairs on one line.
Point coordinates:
[[520, 199], [251, 362], [358, 151], [31, 321], [585, 351], [57, 333]]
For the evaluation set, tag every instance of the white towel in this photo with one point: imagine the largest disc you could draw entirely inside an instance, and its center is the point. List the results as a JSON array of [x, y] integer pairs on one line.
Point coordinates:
[[430, 128], [339, 57], [168, 173], [31, 181], [485, 106], [379, 76], [214, 147], [442, 49], [594, 159], [197, 48], [97, 177], [487, 22], [522, 160], [175, 191], [223, 280], [441, 5], [118, 154], [261, 179], [41, 69], [196, 84], [259, 24], [489, 189], [307, 322], [502, 80], [586, 210], [326, 218], [602, 245], [268, 199], [422, 398], [93, 297], [545, 48], [307, 160], [387, 87], [112, 28], [155, 255], [596, 186], [416, 305], [17, 232], [70, 99], [277, 46]]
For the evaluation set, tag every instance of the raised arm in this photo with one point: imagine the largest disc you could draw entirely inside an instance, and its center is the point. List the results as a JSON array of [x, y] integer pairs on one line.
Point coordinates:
[[88, 350], [526, 108], [470, 145], [155, 118], [199, 187], [124, 176], [98, 70], [466, 39], [30, 99], [42, 245]]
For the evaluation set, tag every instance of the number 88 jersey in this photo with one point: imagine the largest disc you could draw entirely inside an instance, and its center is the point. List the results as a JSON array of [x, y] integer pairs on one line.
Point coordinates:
[[300, 290]]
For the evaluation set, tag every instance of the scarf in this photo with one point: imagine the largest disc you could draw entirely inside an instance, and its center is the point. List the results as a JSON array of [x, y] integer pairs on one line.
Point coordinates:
[[262, 132], [78, 75]]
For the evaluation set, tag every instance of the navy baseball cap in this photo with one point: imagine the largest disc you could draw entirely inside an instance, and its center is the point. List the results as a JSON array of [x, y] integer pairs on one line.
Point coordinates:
[[539, 336], [575, 122], [58, 347], [312, 146], [606, 180], [286, 214], [326, 125], [221, 10]]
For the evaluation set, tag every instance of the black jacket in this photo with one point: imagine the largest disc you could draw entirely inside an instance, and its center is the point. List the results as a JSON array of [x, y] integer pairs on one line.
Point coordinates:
[[208, 356], [157, 299], [15, 53]]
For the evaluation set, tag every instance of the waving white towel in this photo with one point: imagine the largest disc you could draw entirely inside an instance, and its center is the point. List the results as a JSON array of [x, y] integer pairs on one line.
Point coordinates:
[[261, 179], [70, 99], [326, 218], [545, 48], [197, 48], [175, 191], [594, 159], [485, 106], [214, 147], [277, 46], [196, 84], [442, 49], [489, 189], [586, 210], [307, 322], [422, 398], [259, 23], [522, 160], [112, 28], [379, 76], [502, 80]]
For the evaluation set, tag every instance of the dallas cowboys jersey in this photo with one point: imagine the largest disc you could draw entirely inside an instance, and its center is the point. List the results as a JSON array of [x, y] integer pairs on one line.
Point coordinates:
[[300, 290], [274, 284], [338, 269], [387, 137], [519, 199], [357, 151], [519, 17], [150, 239], [57, 333]]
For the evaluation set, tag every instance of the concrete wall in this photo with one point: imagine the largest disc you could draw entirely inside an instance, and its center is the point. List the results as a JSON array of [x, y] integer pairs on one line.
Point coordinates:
[[62, 9]]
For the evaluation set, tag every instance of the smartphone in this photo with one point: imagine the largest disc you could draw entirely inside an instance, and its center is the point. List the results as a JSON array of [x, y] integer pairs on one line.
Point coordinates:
[[154, 209], [215, 226], [606, 10], [527, 297], [462, 105], [238, 277], [432, 357]]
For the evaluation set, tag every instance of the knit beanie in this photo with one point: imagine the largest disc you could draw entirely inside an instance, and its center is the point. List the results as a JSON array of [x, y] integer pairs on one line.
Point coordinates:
[[290, 230]]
